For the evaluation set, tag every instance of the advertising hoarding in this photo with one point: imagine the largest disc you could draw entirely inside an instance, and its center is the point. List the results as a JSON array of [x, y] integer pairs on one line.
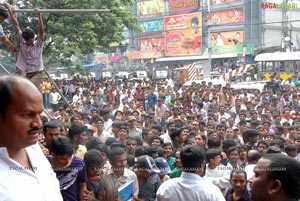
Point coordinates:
[[149, 26], [152, 8], [183, 34], [183, 6], [227, 16], [227, 38]]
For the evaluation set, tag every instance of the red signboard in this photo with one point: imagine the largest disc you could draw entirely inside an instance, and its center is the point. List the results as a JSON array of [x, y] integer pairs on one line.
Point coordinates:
[[151, 44], [227, 16]]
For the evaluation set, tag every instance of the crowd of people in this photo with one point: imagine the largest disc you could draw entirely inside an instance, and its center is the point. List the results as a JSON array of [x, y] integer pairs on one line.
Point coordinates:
[[157, 139], [158, 119]]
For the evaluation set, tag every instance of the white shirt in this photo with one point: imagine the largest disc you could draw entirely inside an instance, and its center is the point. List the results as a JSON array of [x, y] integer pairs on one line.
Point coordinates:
[[166, 137], [103, 137], [2, 34], [107, 125], [54, 97], [219, 171], [249, 169], [76, 99], [188, 186], [18, 184], [283, 120], [220, 42]]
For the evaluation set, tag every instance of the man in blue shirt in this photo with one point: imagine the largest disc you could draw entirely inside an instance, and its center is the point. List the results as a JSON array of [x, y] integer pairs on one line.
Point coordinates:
[[152, 99]]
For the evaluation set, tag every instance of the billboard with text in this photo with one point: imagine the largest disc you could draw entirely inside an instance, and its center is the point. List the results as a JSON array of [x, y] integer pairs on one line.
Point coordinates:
[[149, 26], [183, 34], [183, 6]]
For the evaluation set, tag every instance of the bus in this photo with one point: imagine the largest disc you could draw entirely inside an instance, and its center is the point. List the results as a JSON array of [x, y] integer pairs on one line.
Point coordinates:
[[283, 63]]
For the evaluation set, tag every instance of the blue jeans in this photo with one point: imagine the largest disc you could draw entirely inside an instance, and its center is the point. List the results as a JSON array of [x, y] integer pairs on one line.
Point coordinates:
[[46, 99]]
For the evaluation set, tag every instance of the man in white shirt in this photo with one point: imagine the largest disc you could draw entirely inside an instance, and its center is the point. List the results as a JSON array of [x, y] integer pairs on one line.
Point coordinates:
[[25, 172], [77, 98], [101, 134], [166, 137], [252, 158], [107, 122], [214, 168], [190, 185], [54, 99]]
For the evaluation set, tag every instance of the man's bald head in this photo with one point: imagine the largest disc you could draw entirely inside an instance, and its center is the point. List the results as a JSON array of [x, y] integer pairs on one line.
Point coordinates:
[[11, 87], [253, 156]]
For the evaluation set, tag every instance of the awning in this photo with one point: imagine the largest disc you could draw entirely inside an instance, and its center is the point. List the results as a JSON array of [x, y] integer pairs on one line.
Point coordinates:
[[278, 56], [202, 57]]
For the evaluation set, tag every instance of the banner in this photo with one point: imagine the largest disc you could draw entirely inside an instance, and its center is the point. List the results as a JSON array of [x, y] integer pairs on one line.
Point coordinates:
[[183, 34], [132, 55], [219, 2], [233, 49], [151, 25], [183, 6], [227, 16], [152, 8], [100, 58], [152, 44], [227, 38]]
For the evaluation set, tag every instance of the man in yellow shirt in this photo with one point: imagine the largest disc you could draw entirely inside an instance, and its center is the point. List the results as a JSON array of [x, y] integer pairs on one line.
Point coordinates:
[[46, 88]]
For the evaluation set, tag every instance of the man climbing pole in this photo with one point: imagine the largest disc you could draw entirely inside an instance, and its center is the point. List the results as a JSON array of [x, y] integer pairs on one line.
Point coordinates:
[[30, 57]]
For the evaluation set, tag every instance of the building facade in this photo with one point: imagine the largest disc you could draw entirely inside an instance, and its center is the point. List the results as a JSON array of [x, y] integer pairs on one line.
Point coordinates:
[[218, 33]]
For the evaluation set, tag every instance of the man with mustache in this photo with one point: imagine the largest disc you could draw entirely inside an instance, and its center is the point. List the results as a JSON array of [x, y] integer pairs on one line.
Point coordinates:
[[25, 172], [238, 180], [276, 179]]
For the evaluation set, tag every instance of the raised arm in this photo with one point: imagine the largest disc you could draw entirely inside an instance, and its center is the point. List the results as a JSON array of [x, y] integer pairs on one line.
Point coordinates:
[[9, 44], [41, 24], [13, 18]]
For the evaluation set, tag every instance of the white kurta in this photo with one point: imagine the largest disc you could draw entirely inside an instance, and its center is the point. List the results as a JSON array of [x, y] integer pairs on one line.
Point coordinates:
[[18, 183], [188, 186]]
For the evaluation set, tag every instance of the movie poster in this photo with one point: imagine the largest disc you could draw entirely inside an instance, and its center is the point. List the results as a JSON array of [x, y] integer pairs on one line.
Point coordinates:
[[227, 16], [227, 38]]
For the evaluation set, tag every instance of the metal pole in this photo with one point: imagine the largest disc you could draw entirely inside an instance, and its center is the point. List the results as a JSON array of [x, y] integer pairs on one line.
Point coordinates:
[[65, 11], [62, 96], [207, 71], [209, 54], [8, 73]]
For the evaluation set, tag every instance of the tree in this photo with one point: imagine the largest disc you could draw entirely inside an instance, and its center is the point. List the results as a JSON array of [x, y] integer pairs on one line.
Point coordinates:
[[78, 34]]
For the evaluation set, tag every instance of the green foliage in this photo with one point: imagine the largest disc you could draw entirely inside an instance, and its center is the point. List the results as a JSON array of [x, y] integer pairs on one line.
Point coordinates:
[[67, 35]]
